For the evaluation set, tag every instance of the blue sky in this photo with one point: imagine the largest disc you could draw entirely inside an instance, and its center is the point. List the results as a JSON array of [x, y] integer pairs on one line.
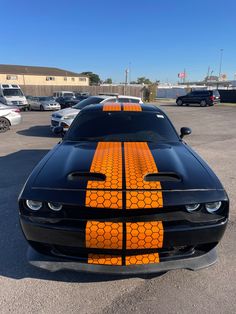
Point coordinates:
[[157, 38]]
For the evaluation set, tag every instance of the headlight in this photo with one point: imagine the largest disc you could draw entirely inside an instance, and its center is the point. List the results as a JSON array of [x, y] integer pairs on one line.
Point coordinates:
[[34, 205], [70, 116], [192, 207], [212, 207], [55, 206]]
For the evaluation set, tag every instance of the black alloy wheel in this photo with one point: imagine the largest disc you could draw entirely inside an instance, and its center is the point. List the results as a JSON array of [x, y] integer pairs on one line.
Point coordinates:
[[203, 103]]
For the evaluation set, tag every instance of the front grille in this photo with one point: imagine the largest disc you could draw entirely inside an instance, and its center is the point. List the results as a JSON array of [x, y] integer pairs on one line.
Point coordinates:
[[54, 123], [165, 253], [17, 102]]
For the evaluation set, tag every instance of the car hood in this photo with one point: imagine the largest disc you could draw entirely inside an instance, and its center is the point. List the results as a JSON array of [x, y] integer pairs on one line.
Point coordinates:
[[66, 111], [53, 179]]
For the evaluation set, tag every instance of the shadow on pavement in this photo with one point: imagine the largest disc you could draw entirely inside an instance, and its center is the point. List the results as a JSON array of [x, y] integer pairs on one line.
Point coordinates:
[[13, 261], [38, 131]]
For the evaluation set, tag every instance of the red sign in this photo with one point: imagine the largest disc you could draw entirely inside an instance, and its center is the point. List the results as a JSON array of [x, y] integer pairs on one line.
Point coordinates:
[[181, 75]]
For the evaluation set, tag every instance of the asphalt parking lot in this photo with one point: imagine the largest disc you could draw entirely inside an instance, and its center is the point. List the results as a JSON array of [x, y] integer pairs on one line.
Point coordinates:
[[25, 289]]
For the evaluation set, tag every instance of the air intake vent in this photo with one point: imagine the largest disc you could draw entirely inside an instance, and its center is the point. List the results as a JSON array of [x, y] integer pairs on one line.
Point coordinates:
[[88, 176], [162, 177]]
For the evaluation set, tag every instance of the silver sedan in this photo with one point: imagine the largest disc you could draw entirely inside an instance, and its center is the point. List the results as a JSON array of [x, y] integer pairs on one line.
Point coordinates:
[[43, 103], [8, 116]]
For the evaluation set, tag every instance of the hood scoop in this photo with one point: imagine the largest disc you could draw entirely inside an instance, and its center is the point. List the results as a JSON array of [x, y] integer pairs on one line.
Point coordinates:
[[86, 176], [163, 177]]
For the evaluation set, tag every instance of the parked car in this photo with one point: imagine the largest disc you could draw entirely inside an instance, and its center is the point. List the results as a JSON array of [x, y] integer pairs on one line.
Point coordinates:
[[43, 103], [63, 94], [83, 95], [123, 193], [8, 117], [68, 101], [202, 97], [12, 95], [65, 117]]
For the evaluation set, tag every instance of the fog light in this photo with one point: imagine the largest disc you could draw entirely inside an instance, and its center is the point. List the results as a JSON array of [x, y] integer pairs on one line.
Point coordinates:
[[34, 205], [212, 207], [192, 207], [55, 206]]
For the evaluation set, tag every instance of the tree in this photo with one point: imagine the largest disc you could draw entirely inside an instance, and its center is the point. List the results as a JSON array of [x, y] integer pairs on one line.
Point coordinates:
[[143, 80], [108, 81], [94, 79]]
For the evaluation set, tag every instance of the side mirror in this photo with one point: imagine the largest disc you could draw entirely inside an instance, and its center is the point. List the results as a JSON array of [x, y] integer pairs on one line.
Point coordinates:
[[185, 131], [58, 130]]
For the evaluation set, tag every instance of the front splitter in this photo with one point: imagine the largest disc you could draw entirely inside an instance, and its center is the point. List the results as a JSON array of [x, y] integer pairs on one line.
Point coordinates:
[[54, 264]]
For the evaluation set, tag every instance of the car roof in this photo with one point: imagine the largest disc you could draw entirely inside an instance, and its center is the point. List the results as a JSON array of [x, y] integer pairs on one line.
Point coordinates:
[[104, 96], [127, 107]]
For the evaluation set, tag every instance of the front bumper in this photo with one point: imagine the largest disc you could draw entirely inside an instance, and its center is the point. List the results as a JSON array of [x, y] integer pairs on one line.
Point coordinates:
[[60, 122], [184, 246], [56, 264], [51, 108], [16, 119]]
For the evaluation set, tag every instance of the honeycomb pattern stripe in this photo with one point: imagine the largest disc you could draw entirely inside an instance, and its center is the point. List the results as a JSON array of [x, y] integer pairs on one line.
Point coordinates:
[[111, 107], [103, 259], [142, 259], [144, 235], [103, 235], [107, 160], [132, 107], [138, 163]]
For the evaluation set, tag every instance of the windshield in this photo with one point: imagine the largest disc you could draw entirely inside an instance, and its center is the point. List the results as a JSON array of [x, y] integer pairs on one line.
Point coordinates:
[[121, 126], [68, 95], [12, 92], [46, 99], [88, 101]]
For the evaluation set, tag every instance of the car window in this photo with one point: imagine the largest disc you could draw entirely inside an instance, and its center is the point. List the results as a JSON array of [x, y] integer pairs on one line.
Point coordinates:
[[110, 100], [121, 126], [123, 99], [88, 101], [216, 93]]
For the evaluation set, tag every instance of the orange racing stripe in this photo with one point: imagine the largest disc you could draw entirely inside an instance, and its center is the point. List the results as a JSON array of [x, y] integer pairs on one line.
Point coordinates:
[[142, 259], [138, 163], [103, 235], [144, 235], [112, 107], [103, 259], [132, 107], [107, 160]]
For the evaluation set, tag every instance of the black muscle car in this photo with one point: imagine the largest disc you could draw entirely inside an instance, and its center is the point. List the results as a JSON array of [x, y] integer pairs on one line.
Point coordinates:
[[123, 193]]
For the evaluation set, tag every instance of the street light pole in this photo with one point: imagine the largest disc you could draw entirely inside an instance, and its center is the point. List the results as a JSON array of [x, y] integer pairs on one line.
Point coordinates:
[[221, 56]]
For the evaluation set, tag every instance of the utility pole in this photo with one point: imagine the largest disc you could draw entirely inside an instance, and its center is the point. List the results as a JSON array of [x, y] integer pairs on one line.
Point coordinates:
[[126, 80], [221, 56], [208, 72]]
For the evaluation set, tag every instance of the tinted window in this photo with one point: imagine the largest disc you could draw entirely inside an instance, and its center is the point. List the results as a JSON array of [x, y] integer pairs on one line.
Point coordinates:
[[123, 100], [46, 98], [12, 92], [131, 100], [121, 126], [216, 93], [111, 100], [88, 101]]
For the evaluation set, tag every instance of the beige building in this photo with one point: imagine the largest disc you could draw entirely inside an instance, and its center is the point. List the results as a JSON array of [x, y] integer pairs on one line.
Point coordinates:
[[43, 76]]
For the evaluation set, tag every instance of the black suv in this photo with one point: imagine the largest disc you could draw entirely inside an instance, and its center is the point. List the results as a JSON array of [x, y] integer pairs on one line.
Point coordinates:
[[202, 97]]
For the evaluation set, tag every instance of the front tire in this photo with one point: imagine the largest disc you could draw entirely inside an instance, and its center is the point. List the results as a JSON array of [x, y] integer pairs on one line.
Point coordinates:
[[41, 108], [4, 125], [179, 102], [203, 103]]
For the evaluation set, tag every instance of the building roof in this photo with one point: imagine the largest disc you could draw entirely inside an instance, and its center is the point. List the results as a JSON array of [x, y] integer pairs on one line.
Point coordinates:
[[35, 70]]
